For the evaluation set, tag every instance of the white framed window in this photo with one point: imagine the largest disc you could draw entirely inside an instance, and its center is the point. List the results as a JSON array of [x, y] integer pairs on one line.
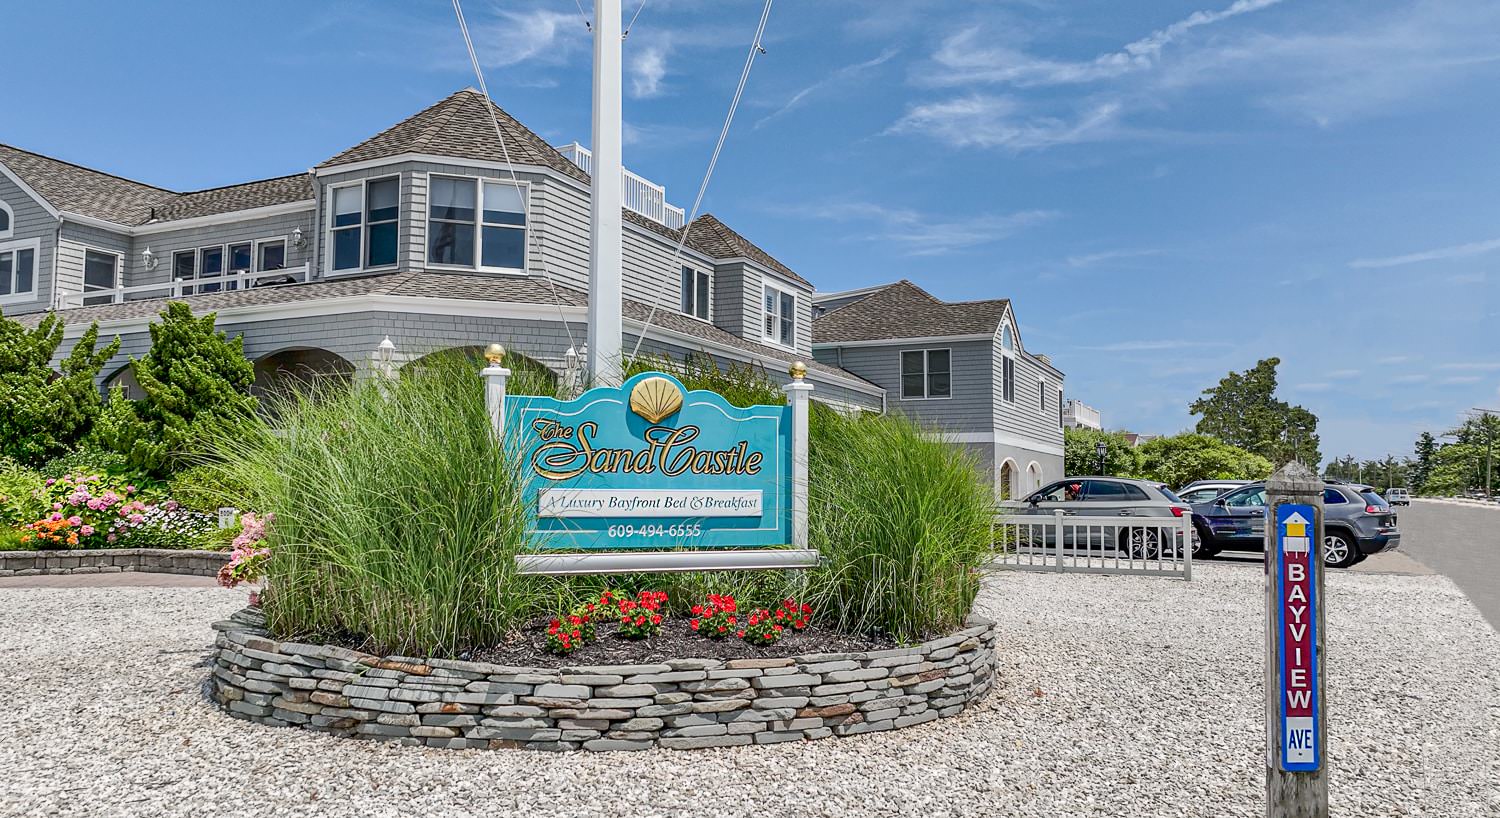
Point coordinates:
[[1007, 365], [18, 270], [477, 224], [695, 293], [101, 269], [210, 266], [7, 221], [778, 315], [363, 220], [926, 374], [270, 255]]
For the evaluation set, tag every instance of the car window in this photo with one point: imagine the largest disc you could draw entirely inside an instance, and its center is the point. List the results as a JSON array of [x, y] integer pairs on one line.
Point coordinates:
[[1167, 493], [1200, 495], [1246, 498], [1104, 491], [1061, 492], [1333, 497], [1374, 499]]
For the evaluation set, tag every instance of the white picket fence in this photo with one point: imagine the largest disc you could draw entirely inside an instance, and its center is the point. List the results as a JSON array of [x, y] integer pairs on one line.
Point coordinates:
[[1156, 546]]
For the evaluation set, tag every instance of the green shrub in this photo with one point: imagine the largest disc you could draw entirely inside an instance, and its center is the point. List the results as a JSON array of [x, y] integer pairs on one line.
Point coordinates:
[[206, 488], [903, 522], [10, 540], [44, 412], [397, 514], [20, 494], [739, 384]]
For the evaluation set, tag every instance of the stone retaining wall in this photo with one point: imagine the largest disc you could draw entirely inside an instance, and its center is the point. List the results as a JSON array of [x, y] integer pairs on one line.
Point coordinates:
[[112, 560], [679, 704]]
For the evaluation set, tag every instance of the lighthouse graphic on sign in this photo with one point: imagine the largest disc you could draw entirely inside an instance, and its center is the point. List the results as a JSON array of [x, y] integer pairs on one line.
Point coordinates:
[[1294, 535], [1297, 638]]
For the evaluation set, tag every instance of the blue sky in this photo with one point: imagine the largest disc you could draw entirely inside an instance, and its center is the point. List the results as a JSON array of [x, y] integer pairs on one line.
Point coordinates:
[[1167, 190]]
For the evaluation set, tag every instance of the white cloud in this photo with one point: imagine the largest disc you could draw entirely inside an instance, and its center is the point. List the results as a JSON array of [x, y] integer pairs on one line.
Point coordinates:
[[985, 121], [1461, 379], [648, 67], [535, 35], [842, 74], [919, 232], [1315, 386], [1473, 248], [1416, 378], [966, 58], [1091, 259], [1477, 366]]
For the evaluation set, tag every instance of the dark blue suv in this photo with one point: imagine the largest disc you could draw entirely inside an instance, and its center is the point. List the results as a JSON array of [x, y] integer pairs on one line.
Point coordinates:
[[1357, 522]]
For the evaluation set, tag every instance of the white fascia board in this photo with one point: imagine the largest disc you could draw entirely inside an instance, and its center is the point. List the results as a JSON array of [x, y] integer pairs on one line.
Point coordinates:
[[91, 221], [434, 159], [768, 272], [833, 296], [267, 211], [25, 188], [886, 342]]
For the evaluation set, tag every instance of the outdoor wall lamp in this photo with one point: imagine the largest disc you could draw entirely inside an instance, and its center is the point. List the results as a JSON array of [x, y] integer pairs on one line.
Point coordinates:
[[299, 241], [386, 351], [149, 259], [1101, 449]]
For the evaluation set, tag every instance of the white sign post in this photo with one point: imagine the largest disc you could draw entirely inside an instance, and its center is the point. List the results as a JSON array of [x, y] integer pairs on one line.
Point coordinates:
[[797, 394], [495, 377]]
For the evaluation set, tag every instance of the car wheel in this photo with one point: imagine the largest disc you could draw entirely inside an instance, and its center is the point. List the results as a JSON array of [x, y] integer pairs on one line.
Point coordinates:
[[1141, 543], [1339, 550], [1203, 547]]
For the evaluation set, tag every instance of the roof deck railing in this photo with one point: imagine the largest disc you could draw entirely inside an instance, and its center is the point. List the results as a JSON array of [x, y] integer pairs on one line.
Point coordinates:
[[185, 286], [641, 195]]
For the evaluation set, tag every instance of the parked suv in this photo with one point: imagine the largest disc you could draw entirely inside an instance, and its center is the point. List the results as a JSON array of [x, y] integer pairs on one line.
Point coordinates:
[[1201, 491], [1357, 522], [1112, 497], [1398, 497]]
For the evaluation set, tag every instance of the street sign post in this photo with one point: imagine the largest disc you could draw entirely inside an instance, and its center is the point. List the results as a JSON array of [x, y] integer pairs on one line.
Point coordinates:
[[1296, 772]]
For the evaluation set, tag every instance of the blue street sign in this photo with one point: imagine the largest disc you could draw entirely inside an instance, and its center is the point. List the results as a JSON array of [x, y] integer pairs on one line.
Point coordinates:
[[1298, 669], [650, 464]]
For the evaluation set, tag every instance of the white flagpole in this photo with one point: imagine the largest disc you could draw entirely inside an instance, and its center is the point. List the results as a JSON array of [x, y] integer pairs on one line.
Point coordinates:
[[606, 256]]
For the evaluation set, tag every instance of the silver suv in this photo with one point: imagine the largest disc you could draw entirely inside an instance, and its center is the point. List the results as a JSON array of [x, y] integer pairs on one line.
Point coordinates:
[[1357, 522], [1111, 497]]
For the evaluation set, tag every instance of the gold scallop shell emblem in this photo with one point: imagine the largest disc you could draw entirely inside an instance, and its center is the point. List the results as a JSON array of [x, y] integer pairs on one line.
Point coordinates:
[[655, 398]]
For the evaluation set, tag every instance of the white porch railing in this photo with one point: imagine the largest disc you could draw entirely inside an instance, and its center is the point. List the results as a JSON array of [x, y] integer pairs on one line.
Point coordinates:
[[190, 286], [640, 194], [1160, 546]]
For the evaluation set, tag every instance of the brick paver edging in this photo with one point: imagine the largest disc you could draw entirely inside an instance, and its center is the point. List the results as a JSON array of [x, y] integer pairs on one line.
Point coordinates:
[[112, 560], [678, 704]]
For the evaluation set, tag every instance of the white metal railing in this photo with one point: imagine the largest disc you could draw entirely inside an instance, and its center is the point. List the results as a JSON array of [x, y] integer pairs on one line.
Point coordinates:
[[639, 193], [1160, 546], [187, 286]]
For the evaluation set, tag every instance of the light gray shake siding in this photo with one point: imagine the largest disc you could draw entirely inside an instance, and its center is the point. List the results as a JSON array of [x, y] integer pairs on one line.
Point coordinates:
[[29, 222]]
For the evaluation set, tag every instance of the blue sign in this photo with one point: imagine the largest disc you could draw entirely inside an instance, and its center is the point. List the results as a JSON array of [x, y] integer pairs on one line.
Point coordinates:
[[1296, 643], [650, 464]]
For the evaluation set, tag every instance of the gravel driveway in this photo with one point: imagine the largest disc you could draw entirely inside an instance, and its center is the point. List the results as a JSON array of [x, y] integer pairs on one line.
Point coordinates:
[[1118, 696]]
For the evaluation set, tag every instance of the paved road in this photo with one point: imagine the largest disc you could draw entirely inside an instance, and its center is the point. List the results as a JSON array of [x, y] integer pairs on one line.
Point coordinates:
[[1462, 542]]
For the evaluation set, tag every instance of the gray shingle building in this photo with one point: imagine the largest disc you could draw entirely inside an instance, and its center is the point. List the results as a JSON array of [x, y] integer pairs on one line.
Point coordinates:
[[438, 234]]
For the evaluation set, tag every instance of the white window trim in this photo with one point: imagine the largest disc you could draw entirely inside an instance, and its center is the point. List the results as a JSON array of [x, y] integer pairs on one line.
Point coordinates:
[[710, 276], [10, 221], [1010, 355], [83, 272], [774, 339], [34, 245], [926, 373], [364, 228], [286, 252], [479, 181]]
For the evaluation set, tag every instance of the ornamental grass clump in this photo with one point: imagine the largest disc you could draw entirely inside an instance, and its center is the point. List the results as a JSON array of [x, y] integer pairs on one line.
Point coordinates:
[[902, 520], [398, 514]]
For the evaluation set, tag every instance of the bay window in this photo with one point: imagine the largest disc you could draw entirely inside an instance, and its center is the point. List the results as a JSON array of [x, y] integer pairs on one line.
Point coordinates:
[[779, 315], [926, 373], [695, 289], [363, 220], [476, 223]]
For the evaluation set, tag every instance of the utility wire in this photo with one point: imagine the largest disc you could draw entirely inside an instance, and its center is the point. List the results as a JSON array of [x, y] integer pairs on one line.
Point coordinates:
[[713, 161], [581, 13], [631, 24], [489, 106]]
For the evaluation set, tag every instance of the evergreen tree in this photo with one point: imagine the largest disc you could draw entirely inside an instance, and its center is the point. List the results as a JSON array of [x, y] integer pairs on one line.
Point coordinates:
[[1242, 410], [44, 412], [194, 377], [1426, 450]]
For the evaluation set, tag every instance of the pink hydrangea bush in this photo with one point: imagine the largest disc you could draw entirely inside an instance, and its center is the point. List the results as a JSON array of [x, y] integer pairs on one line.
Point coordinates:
[[96, 511], [249, 553]]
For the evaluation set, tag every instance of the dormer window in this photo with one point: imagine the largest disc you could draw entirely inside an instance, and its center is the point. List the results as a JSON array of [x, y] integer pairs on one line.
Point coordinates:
[[695, 290], [476, 223], [779, 315]]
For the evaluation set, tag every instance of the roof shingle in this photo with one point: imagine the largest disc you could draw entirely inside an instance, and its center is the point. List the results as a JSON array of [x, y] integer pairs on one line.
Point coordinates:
[[904, 310]]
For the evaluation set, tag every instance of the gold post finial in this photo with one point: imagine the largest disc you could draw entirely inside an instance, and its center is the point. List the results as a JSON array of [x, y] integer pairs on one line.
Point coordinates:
[[494, 353], [798, 370]]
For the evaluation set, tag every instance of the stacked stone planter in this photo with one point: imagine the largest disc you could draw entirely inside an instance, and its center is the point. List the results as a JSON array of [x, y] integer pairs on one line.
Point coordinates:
[[112, 560], [678, 704]]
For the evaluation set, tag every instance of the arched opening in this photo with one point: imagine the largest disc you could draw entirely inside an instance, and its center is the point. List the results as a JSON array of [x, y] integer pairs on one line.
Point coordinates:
[[1033, 476], [1007, 479], [528, 376], [300, 370], [125, 377]]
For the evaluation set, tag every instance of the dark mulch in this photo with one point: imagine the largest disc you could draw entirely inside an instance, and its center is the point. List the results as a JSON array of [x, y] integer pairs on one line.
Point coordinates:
[[676, 641]]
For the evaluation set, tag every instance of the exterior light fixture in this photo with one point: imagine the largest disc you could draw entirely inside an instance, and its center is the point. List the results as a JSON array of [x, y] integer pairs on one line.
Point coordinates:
[[1101, 448], [149, 259], [386, 350], [494, 353], [299, 241]]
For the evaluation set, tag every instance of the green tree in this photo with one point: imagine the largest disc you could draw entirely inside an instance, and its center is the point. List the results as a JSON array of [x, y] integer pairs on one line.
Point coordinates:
[[45, 412], [1425, 449], [1243, 410], [1456, 468], [1181, 459], [1081, 456], [195, 378]]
